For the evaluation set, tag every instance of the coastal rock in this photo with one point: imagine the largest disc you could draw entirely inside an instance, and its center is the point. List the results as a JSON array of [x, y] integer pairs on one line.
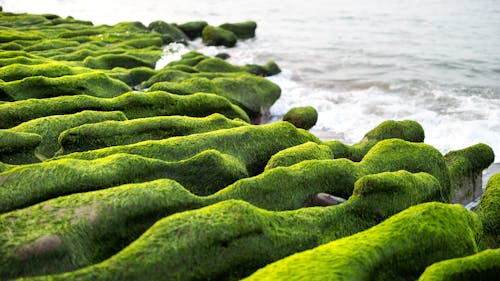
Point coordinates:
[[302, 117], [242, 30], [18, 147], [226, 235], [168, 29], [396, 249], [216, 36], [112, 133], [293, 155], [489, 213], [324, 200], [193, 29], [133, 105]]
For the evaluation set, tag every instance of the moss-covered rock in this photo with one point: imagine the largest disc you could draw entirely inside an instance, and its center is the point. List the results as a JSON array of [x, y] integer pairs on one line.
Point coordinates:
[[18, 147], [397, 249], [54, 69], [466, 167], [231, 238], [252, 145], [337, 177], [489, 212], [406, 130], [299, 153], [112, 133], [302, 117], [133, 76], [110, 61], [253, 94], [242, 30], [484, 265], [203, 173], [219, 65], [94, 84], [216, 36], [168, 29], [193, 29], [133, 105], [49, 128]]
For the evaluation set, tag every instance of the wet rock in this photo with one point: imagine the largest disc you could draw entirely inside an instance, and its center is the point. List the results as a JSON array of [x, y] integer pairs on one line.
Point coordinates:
[[242, 30], [323, 200], [216, 36], [302, 117]]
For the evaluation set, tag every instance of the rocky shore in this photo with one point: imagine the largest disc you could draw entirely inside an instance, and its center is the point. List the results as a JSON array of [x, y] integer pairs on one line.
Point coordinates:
[[112, 170]]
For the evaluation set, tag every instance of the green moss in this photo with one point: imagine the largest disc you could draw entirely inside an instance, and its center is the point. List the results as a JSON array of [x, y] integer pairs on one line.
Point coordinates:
[[111, 61], [20, 71], [406, 130], [203, 173], [481, 266], [18, 147], [8, 35], [253, 94], [112, 133], [286, 187], [466, 167], [134, 105], [489, 212], [242, 30], [219, 65], [93, 83], [229, 239], [216, 36], [193, 29], [48, 44], [252, 145], [132, 77], [168, 29], [302, 117], [299, 153], [49, 128]]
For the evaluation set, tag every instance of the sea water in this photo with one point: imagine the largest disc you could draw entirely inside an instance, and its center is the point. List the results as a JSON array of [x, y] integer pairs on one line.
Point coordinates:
[[358, 62]]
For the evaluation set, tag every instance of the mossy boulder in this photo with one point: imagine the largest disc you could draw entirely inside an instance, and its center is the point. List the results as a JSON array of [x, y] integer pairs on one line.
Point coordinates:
[[110, 61], [302, 117], [407, 130], [252, 145], [466, 167], [18, 147], [242, 30], [193, 29], [489, 212], [133, 76], [133, 105], [293, 155], [484, 265], [49, 128], [112, 133], [168, 29], [216, 36], [203, 173], [397, 249], [228, 238], [54, 69], [219, 65], [93, 83]]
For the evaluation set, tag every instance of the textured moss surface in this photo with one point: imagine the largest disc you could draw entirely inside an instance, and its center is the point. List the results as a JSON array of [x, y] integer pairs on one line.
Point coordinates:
[[133, 105], [49, 128], [242, 30], [112, 133], [193, 29], [406, 130], [399, 248], [203, 173], [302, 117], [299, 153], [18, 147], [489, 212], [93, 84], [252, 145], [231, 239], [483, 266], [216, 36]]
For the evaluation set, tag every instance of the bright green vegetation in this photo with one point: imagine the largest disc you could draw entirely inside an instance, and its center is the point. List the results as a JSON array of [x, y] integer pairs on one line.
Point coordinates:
[[169, 30], [49, 128], [299, 153], [483, 266], [93, 84], [112, 133], [242, 30], [203, 173], [18, 147], [53, 70], [288, 187], [131, 77], [133, 105], [193, 29], [302, 117], [407, 130], [466, 167], [399, 248], [252, 145], [216, 36], [229, 239], [489, 213]]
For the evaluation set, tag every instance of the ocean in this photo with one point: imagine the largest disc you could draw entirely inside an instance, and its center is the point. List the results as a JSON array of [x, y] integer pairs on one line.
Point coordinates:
[[358, 62]]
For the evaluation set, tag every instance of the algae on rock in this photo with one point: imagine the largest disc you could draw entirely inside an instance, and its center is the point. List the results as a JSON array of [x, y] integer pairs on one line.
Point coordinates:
[[18, 147]]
